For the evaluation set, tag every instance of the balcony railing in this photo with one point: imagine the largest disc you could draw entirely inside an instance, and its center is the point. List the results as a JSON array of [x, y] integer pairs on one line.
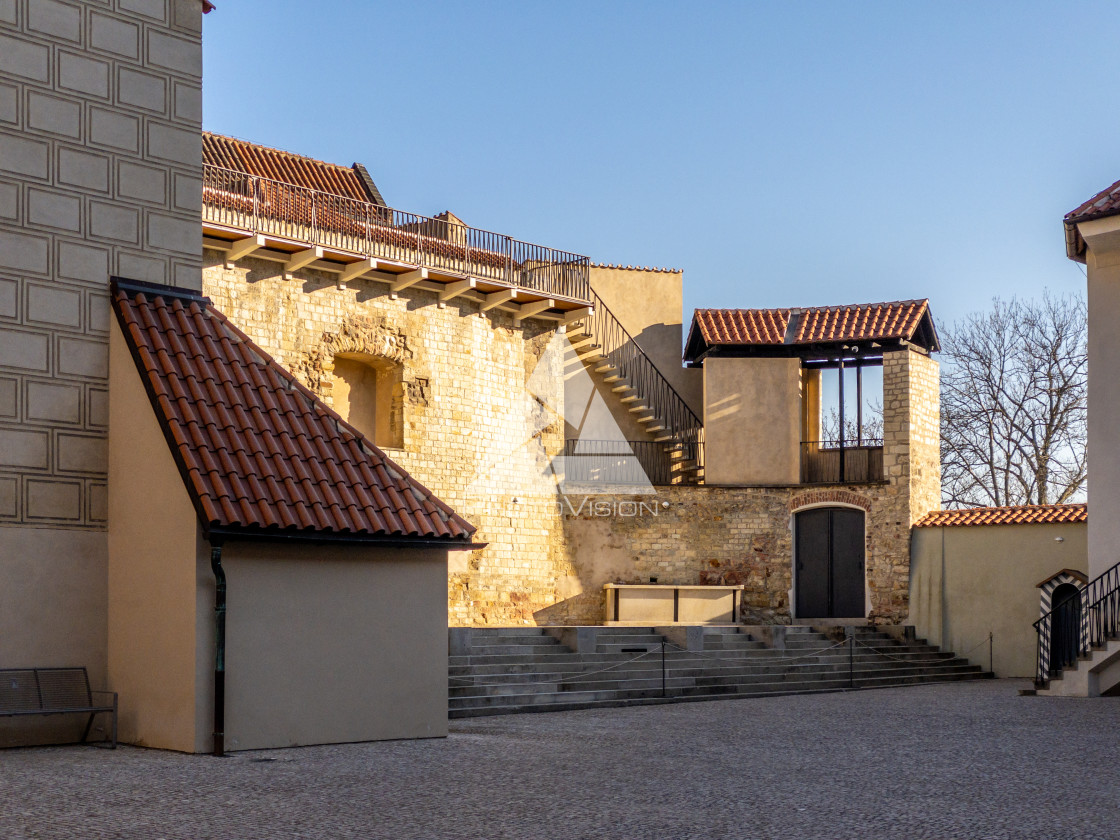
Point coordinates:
[[629, 463], [248, 202], [821, 462]]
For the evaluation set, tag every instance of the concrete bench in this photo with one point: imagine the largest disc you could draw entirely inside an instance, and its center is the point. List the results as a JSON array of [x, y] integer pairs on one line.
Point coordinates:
[[53, 691], [658, 604]]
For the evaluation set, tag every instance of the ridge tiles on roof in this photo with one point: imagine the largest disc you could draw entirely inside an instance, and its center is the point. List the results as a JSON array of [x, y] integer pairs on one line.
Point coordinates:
[[1006, 515]]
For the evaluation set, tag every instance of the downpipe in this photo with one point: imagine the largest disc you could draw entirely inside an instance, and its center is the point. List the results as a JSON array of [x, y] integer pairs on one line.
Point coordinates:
[[219, 650]]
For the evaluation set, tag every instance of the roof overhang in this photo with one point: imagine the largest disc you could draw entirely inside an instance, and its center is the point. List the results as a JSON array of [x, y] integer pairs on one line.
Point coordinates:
[[1099, 235]]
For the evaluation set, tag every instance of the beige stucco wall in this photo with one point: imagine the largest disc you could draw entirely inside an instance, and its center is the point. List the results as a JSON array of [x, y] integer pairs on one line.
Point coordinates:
[[1102, 237], [158, 636], [752, 421], [61, 576], [328, 644], [967, 582], [649, 304]]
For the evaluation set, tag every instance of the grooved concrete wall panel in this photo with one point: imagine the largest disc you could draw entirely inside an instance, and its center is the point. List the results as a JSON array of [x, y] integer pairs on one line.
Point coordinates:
[[100, 166]]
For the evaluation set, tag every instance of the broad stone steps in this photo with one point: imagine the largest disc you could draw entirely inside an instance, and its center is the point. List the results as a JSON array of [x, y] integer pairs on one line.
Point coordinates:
[[683, 685], [504, 670], [571, 700], [730, 675]]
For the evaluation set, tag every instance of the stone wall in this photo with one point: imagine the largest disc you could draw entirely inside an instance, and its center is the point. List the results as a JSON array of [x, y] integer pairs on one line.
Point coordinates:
[[471, 431]]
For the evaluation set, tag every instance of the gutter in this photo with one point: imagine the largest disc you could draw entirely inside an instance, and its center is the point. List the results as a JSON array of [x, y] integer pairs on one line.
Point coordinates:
[[219, 649]]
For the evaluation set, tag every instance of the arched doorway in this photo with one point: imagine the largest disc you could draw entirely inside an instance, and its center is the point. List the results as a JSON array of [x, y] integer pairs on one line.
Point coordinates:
[[1065, 626], [829, 551]]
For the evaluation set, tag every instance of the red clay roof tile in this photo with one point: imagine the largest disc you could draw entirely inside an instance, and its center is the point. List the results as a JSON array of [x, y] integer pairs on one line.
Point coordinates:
[[1105, 203], [757, 327], [1009, 515], [277, 165], [296, 468]]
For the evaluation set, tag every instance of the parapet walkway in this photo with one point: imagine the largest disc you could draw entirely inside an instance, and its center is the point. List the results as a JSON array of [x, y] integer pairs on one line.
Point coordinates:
[[532, 669]]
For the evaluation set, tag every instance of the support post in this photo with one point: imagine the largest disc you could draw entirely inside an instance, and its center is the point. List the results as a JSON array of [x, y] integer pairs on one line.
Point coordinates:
[[664, 690], [840, 377], [851, 658]]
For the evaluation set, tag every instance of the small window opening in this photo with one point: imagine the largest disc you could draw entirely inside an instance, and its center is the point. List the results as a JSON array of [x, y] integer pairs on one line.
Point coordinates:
[[368, 393]]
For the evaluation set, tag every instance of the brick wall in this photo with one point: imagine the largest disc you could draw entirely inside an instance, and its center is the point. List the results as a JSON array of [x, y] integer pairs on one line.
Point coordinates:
[[100, 165]]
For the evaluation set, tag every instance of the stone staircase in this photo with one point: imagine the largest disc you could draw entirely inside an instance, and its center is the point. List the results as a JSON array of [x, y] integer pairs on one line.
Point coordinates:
[[509, 670]]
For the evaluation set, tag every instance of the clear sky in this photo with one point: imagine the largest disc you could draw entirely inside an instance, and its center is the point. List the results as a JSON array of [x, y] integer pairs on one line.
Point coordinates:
[[781, 153]]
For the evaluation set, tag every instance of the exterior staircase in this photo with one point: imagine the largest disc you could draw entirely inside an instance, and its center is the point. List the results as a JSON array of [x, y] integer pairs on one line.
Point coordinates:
[[1087, 662], [605, 348], [510, 670]]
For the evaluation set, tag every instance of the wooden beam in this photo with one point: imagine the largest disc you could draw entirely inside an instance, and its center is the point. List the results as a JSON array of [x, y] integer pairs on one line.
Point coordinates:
[[409, 278], [243, 248], [497, 299], [301, 259], [578, 314], [528, 310], [355, 270], [453, 290]]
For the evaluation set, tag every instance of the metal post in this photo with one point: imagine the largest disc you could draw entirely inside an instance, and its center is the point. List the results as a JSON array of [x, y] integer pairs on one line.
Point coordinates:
[[991, 654], [841, 433], [664, 692], [851, 659], [859, 405]]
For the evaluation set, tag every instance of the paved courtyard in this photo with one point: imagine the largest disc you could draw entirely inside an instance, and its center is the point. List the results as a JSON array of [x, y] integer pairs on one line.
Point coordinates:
[[967, 760]]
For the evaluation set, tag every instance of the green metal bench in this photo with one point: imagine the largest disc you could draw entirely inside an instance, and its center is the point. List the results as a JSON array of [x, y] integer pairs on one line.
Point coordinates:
[[53, 691]]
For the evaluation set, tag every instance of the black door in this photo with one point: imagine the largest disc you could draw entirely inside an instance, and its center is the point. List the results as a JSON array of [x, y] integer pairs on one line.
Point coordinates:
[[829, 548], [1065, 626]]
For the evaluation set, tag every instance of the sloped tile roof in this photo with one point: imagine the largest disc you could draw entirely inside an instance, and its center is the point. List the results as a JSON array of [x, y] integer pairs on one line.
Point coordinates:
[[1104, 203], [242, 156], [1009, 515], [867, 321], [256, 449]]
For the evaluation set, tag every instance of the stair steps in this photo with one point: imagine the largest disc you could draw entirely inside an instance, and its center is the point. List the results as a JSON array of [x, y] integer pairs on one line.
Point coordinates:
[[511, 671]]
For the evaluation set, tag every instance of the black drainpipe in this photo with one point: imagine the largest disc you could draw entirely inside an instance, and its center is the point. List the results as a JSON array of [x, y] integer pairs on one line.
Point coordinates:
[[220, 650]]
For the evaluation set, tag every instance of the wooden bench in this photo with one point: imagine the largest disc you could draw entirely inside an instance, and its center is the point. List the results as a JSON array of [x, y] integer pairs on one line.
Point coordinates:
[[52, 691]]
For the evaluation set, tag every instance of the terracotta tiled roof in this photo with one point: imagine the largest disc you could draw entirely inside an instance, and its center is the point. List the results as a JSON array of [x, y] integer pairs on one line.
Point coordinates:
[[1104, 203], [867, 322], [239, 155], [1010, 515], [257, 450]]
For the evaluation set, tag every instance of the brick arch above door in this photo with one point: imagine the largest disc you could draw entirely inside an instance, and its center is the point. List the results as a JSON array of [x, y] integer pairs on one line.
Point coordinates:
[[816, 498]]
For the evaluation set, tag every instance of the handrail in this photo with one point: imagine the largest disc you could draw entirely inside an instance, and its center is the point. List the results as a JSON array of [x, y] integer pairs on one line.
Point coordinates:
[[621, 462], [1091, 617], [239, 199], [620, 350]]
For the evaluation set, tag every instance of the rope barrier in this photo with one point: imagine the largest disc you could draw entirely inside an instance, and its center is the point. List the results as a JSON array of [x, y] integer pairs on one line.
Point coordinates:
[[759, 659], [890, 656], [570, 677]]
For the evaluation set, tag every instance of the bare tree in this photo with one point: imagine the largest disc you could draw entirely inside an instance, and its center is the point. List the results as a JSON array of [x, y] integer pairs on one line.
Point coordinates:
[[1013, 412], [872, 428]]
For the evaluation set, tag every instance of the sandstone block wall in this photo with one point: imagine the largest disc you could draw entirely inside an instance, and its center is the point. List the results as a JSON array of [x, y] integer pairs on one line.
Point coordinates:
[[471, 431]]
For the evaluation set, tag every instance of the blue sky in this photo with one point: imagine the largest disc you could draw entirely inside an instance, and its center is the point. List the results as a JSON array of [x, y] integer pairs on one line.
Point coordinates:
[[782, 154]]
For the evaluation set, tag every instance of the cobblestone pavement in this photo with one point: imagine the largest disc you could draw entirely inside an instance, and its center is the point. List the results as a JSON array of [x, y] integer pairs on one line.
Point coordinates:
[[969, 760]]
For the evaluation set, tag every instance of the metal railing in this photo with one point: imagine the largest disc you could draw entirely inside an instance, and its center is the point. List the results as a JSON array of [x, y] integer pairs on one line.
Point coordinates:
[[821, 462], [262, 205], [1082, 622], [619, 349], [618, 463]]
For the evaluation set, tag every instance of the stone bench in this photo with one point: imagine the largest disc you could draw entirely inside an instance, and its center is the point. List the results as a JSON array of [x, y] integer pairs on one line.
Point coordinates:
[[660, 604]]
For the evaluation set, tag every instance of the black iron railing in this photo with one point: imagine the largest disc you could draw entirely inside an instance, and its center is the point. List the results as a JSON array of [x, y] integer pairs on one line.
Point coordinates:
[[829, 462], [621, 463], [249, 202], [1077, 625], [676, 423]]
